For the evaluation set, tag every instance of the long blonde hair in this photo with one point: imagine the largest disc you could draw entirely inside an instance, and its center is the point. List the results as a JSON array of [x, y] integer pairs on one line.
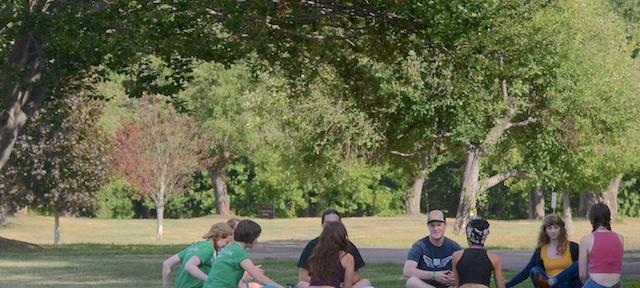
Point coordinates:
[[543, 238]]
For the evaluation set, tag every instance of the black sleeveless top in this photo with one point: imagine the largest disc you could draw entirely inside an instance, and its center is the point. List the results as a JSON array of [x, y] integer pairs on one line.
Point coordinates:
[[474, 267]]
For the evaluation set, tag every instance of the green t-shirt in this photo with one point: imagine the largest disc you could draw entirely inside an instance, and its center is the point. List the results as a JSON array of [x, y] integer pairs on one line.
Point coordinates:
[[202, 250], [226, 271]]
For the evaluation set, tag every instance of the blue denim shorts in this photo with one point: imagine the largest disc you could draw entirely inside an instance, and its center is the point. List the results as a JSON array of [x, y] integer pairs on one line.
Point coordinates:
[[593, 284]]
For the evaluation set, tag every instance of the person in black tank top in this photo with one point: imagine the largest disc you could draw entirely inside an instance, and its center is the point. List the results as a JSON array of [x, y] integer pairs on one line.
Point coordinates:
[[473, 266]]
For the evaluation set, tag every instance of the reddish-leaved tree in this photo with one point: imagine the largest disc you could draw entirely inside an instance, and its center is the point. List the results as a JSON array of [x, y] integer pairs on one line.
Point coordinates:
[[157, 152]]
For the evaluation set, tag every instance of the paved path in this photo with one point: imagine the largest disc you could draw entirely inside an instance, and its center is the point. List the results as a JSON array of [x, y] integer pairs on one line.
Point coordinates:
[[513, 260]]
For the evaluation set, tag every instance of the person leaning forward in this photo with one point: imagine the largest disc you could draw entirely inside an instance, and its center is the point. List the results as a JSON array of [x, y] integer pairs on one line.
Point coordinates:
[[429, 261], [329, 215]]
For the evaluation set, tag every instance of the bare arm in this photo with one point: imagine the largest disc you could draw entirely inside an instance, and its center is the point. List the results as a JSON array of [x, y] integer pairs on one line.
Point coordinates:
[[583, 258], [497, 270], [192, 267], [303, 275], [348, 263], [166, 269], [411, 270], [256, 273], [454, 264]]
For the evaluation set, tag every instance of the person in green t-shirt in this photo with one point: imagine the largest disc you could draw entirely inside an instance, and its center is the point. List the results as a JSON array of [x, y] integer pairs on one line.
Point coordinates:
[[195, 261], [233, 261]]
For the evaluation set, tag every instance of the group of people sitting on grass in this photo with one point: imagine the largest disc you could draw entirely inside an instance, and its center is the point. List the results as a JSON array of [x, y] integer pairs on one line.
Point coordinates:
[[332, 261]]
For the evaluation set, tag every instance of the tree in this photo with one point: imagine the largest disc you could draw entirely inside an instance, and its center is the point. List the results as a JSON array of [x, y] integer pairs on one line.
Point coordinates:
[[590, 131], [157, 153], [61, 160], [235, 109], [45, 43]]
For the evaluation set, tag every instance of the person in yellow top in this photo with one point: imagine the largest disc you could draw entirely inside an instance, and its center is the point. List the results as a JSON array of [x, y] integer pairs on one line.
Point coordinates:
[[555, 262]]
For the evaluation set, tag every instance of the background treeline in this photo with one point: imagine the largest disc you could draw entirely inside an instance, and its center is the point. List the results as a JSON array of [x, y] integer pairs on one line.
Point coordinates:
[[185, 108]]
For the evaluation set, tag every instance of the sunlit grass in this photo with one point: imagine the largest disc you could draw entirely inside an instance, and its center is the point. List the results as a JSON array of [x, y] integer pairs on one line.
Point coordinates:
[[140, 266], [385, 232]]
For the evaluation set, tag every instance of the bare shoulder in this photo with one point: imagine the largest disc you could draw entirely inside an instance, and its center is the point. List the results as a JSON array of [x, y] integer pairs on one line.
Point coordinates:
[[495, 259], [587, 240], [344, 256], [456, 255]]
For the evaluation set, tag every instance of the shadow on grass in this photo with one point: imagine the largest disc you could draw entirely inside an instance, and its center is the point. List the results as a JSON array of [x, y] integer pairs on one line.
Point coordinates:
[[108, 265]]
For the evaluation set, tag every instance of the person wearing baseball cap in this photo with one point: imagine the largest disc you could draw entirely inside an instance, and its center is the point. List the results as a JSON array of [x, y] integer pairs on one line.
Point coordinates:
[[195, 261], [429, 261]]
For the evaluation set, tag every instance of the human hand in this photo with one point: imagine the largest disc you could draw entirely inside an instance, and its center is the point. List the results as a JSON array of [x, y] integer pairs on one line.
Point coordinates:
[[446, 277]]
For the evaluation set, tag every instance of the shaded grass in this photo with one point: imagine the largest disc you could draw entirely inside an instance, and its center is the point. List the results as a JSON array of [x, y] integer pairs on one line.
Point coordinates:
[[91, 265], [390, 232]]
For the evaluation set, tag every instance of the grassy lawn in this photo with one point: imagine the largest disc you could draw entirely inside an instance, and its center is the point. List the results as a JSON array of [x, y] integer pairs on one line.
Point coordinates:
[[101, 265], [124, 253], [390, 232]]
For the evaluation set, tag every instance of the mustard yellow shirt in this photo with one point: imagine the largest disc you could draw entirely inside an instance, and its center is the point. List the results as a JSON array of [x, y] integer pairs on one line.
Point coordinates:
[[554, 266]]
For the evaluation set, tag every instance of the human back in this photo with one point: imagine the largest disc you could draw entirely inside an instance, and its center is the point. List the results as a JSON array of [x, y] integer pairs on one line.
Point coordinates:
[[474, 266], [195, 260], [331, 264], [601, 252]]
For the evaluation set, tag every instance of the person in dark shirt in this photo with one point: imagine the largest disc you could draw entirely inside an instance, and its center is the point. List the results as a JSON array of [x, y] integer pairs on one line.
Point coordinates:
[[329, 215], [429, 262], [474, 266]]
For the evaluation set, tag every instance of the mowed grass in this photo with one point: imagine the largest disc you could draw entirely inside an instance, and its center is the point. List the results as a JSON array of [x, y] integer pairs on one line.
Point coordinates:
[[104, 265], [383, 232]]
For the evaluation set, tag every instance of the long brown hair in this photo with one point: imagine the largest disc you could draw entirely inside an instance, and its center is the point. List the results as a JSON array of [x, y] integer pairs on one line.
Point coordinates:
[[333, 239], [543, 238]]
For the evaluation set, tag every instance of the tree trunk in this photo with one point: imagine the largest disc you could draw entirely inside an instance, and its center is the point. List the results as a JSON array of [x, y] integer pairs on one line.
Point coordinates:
[[56, 227], [223, 203], [611, 196], [470, 187], [3, 215], [587, 200], [159, 221], [21, 95], [23, 211], [566, 210], [414, 194], [536, 203], [160, 212]]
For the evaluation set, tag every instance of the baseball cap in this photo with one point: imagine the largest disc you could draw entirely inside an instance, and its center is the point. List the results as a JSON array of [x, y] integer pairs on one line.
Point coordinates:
[[436, 215]]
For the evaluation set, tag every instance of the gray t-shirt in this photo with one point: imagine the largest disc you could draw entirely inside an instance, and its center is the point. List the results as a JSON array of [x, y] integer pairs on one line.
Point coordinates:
[[433, 258]]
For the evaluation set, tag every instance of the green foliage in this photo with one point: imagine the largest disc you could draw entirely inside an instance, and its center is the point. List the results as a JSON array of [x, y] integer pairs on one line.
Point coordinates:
[[442, 188], [114, 200], [629, 197], [62, 158], [198, 199]]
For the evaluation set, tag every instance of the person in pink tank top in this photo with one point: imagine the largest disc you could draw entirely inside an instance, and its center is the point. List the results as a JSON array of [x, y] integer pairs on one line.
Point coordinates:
[[601, 252]]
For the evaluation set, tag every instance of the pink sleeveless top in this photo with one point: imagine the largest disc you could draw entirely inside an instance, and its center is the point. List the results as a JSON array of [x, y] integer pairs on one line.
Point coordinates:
[[606, 254]]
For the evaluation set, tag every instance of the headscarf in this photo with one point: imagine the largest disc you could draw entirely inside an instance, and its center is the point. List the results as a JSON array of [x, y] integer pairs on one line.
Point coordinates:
[[478, 231]]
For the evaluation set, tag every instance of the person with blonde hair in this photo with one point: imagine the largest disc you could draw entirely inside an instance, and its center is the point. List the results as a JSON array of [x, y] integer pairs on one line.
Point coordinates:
[[554, 262], [601, 252], [196, 260], [228, 269]]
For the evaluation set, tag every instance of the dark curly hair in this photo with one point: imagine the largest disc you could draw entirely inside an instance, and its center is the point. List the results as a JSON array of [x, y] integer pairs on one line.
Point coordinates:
[[322, 262]]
